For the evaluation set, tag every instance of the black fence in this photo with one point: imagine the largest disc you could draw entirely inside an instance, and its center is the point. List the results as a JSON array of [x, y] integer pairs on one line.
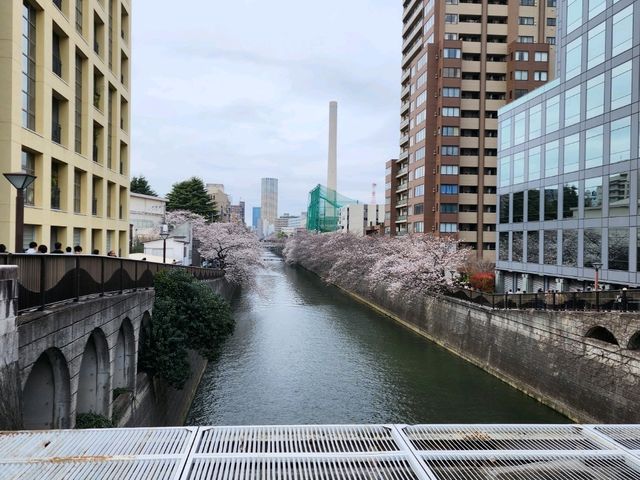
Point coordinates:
[[48, 279], [606, 300]]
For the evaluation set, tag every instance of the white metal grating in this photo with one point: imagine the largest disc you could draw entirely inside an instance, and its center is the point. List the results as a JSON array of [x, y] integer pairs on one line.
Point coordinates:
[[541, 466], [311, 467], [501, 437], [628, 436], [297, 439], [393, 452]]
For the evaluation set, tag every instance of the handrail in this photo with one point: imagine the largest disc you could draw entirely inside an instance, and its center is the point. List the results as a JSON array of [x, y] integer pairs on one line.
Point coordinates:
[[608, 300], [47, 279]]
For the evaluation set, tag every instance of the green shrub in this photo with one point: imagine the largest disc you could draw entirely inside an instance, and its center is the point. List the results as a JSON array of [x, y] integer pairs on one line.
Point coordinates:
[[186, 315], [92, 420]]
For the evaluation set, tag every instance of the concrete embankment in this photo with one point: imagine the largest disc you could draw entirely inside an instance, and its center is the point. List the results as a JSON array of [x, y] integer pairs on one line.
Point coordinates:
[[545, 354]]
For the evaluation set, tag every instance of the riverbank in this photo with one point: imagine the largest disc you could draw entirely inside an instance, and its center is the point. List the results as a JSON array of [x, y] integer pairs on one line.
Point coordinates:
[[543, 354]]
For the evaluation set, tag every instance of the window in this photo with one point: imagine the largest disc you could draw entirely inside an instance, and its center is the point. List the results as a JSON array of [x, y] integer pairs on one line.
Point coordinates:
[[449, 189], [618, 249], [521, 56], [418, 191], [571, 153], [551, 3], [448, 227], [419, 154], [518, 168], [572, 106], [551, 22], [526, 21], [595, 96], [449, 150], [551, 159], [533, 246], [621, 85], [520, 92], [517, 246], [533, 205], [596, 45], [79, 16], [570, 248], [620, 138], [448, 208], [540, 76], [535, 121], [519, 130], [525, 39], [450, 131], [451, 18], [448, 170], [418, 227], [421, 117], [452, 53], [418, 209], [505, 133], [574, 15], [503, 246], [78, 104], [503, 216], [420, 135], [570, 193], [450, 92], [551, 40], [528, 3], [592, 200], [77, 191], [551, 203], [504, 172], [534, 163], [28, 66], [421, 99], [550, 247], [592, 246], [573, 59], [595, 7], [450, 36], [552, 121], [422, 79], [450, 112], [541, 56], [619, 190], [622, 31], [594, 145], [419, 172], [449, 72], [422, 61], [29, 166], [518, 207], [521, 75], [56, 57]]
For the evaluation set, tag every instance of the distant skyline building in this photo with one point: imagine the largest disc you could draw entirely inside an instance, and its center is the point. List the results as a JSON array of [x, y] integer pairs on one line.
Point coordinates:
[[222, 201], [237, 213], [332, 165], [569, 181], [461, 62], [268, 204], [255, 218]]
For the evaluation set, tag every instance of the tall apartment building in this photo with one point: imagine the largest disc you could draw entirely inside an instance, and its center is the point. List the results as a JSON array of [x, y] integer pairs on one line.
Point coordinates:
[[569, 177], [64, 117], [269, 204], [221, 200], [462, 60]]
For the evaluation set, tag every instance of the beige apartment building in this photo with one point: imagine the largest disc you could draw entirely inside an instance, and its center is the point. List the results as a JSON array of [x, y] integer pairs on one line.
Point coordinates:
[[64, 117], [462, 60]]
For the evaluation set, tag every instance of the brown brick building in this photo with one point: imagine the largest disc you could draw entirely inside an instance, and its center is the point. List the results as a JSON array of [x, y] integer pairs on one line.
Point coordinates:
[[461, 62]]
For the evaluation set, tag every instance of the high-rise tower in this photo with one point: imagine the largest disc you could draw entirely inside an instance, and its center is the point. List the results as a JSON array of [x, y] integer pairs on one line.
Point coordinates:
[[332, 167], [269, 204], [461, 62]]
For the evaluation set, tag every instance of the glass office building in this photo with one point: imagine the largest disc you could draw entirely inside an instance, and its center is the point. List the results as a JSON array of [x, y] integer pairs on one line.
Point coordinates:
[[568, 159]]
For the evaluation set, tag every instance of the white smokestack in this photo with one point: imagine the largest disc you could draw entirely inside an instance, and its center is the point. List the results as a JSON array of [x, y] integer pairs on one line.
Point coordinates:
[[332, 168]]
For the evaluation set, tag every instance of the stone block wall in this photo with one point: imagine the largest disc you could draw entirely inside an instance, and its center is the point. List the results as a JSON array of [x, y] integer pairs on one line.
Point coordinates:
[[10, 413]]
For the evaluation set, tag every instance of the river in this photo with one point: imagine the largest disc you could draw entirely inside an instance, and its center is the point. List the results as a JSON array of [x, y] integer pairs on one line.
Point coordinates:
[[306, 353]]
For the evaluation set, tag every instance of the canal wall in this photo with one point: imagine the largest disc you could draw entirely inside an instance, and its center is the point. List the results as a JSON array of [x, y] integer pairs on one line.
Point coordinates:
[[545, 354], [158, 404]]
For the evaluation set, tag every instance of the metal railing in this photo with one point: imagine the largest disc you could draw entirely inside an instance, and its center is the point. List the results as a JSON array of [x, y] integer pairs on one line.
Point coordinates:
[[47, 279], [603, 300]]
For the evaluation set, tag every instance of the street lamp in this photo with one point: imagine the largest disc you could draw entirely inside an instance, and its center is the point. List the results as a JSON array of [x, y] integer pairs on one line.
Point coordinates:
[[20, 181], [164, 234], [596, 266]]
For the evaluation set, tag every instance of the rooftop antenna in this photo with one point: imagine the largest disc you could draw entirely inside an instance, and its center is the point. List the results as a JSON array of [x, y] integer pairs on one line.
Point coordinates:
[[373, 193]]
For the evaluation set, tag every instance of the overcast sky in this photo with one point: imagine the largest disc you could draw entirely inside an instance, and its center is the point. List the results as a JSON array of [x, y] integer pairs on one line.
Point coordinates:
[[233, 91]]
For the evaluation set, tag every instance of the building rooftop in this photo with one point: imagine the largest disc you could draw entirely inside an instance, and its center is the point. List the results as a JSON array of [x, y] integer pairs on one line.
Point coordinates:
[[452, 452]]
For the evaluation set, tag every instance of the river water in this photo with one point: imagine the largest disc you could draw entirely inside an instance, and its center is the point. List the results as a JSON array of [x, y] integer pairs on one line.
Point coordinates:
[[305, 353]]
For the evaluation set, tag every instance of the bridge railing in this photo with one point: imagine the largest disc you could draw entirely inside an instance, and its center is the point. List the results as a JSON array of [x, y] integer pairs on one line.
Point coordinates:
[[621, 300], [48, 279]]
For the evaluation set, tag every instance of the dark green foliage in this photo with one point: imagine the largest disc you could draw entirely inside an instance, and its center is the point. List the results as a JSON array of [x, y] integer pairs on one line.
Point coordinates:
[[92, 420], [187, 315], [141, 185], [191, 195]]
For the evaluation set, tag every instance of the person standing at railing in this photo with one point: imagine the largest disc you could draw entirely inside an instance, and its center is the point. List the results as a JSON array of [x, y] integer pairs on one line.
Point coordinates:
[[58, 249], [3, 248], [42, 249], [33, 249], [68, 251], [77, 250]]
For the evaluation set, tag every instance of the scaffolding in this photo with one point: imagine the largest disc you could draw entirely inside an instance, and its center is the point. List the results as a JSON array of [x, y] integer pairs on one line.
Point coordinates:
[[323, 211]]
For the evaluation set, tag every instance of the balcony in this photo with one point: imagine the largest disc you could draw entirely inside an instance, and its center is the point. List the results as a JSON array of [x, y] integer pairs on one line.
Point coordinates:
[[401, 219], [404, 124], [403, 155], [403, 171], [401, 203], [56, 132], [405, 107], [404, 140], [405, 91], [402, 187], [405, 75]]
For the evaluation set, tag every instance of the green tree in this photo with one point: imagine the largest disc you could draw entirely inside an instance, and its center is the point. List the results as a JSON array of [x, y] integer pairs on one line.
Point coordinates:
[[187, 315], [141, 185], [191, 195]]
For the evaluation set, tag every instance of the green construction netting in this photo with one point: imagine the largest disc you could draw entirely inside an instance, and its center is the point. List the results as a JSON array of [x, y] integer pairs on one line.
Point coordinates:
[[323, 211]]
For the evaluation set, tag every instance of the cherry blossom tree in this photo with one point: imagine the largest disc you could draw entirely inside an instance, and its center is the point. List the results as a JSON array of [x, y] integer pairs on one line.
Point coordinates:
[[404, 266], [231, 246]]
